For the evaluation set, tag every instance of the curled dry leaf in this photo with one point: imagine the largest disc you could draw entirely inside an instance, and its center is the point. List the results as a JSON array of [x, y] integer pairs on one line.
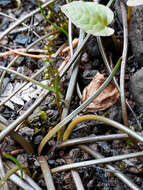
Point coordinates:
[[105, 99]]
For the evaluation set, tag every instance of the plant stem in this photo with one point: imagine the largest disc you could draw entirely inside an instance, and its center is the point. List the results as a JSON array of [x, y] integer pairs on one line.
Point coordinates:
[[107, 121], [7, 175], [28, 79], [123, 65], [93, 162], [129, 17], [47, 173], [86, 140]]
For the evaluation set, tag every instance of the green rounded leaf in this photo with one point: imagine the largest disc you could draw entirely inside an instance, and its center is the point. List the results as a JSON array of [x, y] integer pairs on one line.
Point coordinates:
[[133, 3], [91, 17]]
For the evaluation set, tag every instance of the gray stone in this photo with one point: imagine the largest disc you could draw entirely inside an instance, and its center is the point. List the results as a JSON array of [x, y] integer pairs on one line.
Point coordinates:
[[26, 131], [38, 139], [136, 33], [136, 88], [22, 39], [4, 3], [136, 30], [22, 158]]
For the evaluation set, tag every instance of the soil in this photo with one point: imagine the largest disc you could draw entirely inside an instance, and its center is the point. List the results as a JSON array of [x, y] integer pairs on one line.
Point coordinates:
[[36, 126]]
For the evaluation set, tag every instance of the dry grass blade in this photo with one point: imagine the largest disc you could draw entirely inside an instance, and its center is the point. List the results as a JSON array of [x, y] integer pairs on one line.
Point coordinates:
[[47, 174], [21, 183], [76, 177], [84, 140], [93, 162], [7, 175], [27, 78], [72, 83], [30, 181], [123, 65], [117, 173], [2, 174], [26, 26], [77, 180], [68, 65], [104, 57], [110, 122], [30, 46]]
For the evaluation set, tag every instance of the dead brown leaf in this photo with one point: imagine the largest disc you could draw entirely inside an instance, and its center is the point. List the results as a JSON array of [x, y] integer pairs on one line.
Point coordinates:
[[106, 98]]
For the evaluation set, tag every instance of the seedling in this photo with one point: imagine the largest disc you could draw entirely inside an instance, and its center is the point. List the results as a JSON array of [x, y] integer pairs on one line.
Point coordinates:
[[12, 158], [91, 17]]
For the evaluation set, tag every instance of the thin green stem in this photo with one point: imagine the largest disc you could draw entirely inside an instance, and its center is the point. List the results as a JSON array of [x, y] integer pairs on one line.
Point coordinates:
[[55, 25], [28, 79]]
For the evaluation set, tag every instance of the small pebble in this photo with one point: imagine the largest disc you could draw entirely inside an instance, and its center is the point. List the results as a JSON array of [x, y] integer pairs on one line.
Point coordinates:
[[22, 39], [36, 163], [38, 139], [51, 162], [27, 131], [4, 3], [3, 63], [136, 88]]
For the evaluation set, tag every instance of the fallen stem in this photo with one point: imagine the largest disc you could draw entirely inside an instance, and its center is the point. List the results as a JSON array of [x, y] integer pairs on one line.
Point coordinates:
[[123, 65], [107, 121], [75, 175], [71, 85], [93, 162], [16, 52], [7, 175], [85, 140], [28, 79], [46, 172], [30, 46]]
